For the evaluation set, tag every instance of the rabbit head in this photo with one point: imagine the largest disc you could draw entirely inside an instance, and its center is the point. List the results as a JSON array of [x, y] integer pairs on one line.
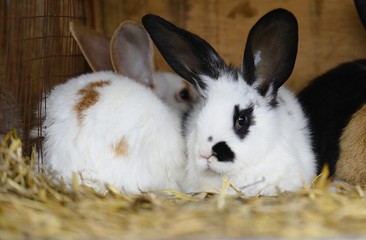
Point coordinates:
[[130, 53]]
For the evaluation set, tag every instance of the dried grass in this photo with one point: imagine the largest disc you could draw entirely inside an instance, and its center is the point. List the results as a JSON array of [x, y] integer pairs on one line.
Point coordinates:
[[33, 205]]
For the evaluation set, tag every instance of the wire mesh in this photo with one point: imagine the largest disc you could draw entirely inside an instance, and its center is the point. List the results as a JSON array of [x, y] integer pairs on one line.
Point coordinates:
[[37, 52]]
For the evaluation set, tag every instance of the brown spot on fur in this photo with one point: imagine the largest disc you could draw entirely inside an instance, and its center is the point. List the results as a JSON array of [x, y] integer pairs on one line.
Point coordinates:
[[121, 148], [90, 96], [351, 165]]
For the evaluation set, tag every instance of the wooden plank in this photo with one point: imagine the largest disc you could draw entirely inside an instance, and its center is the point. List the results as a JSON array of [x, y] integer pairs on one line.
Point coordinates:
[[330, 31]]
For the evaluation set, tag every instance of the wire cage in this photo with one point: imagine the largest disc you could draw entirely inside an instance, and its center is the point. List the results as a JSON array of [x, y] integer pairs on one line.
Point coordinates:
[[37, 52]]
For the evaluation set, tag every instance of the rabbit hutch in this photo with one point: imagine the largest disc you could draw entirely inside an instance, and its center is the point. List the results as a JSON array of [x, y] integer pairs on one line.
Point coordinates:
[[37, 52]]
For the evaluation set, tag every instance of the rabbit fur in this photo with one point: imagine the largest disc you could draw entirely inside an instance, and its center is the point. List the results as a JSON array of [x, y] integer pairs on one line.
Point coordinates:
[[112, 130], [246, 126]]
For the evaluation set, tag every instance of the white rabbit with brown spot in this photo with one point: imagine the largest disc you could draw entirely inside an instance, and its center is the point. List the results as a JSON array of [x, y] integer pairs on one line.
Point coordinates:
[[111, 129]]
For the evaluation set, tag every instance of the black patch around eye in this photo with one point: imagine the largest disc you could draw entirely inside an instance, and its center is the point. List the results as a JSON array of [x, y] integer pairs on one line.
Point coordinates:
[[242, 120], [223, 152]]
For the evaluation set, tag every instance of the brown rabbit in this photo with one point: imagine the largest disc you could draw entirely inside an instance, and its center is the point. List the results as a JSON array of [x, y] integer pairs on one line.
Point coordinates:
[[351, 165], [335, 103]]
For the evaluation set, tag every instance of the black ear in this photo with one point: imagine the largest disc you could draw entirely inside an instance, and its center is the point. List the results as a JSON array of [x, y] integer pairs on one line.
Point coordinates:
[[361, 9], [187, 54], [271, 49]]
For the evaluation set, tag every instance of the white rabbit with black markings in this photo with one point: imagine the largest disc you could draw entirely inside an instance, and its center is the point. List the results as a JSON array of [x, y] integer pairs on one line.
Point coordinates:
[[246, 126], [111, 129]]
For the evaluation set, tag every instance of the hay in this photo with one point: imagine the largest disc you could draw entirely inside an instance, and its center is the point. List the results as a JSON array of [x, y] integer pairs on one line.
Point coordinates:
[[33, 205]]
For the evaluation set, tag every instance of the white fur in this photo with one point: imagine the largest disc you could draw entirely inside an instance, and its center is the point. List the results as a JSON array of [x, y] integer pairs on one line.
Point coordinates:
[[257, 57], [125, 109], [167, 87], [276, 154]]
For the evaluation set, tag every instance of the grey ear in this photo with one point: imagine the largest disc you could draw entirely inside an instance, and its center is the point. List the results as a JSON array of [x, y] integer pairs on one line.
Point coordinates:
[[187, 54], [361, 9], [271, 50], [132, 52], [93, 45]]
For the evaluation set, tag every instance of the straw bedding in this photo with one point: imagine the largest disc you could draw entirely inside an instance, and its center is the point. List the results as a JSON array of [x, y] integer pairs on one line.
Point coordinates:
[[34, 206]]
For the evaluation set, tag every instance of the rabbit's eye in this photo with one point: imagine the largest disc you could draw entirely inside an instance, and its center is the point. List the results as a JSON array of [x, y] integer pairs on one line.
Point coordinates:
[[243, 119], [183, 95]]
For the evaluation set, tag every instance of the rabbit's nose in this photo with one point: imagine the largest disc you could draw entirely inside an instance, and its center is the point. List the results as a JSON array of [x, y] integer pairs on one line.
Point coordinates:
[[206, 155]]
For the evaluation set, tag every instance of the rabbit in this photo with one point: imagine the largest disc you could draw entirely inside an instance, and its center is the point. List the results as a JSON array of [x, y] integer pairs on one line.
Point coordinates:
[[130, 48], [111, 129], [351, 165], [246, 126], [329, 102], [335, 104]]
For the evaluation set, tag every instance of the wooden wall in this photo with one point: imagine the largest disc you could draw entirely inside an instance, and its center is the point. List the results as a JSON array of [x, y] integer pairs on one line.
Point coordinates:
[[330, 31]]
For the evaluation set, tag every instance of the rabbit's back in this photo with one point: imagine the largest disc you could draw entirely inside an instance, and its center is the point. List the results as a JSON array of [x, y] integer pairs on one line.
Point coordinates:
[[110, 128]]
